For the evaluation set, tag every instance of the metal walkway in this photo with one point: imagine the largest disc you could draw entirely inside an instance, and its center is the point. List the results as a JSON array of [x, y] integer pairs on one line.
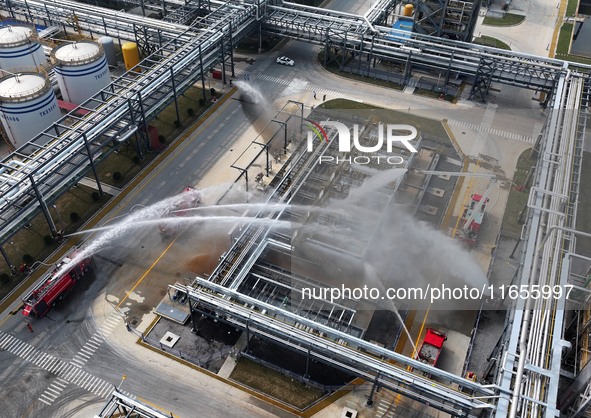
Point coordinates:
[[531, 356], [392, 370], [120, 405], [64, 152]]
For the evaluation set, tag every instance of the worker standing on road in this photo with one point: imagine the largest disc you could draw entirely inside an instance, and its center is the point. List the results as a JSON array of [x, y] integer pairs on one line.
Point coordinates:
[[314, 92], [30, 327]]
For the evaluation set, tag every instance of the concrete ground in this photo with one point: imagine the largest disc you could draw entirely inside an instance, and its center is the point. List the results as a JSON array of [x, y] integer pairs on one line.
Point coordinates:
[[541, 19]]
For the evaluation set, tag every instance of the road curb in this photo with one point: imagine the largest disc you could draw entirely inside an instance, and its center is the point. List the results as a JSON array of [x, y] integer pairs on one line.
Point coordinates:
[[252, 392]]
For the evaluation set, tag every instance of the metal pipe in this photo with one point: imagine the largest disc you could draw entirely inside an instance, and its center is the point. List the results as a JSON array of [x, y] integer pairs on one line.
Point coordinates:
[[524, 329]]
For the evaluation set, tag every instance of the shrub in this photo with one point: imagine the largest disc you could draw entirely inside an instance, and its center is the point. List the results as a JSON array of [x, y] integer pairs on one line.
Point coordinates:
[[190, 112], [177, 123], [27, 259], [117, 176], [161, 139], [74, 217], [201, 102], [4, 278], [96, 196], [136, 159], [48, 239], [212, 91]]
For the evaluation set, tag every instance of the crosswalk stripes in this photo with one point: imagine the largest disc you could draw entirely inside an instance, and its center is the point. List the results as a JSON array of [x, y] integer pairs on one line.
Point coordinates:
[[304, 85], [53, 391], [94, 342], [498, 132], [385, 409], [66, 372], [129, 395]]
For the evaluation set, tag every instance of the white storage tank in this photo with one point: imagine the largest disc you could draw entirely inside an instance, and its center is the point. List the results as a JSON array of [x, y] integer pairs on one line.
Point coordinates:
[[19, 50], [81, 70], [27, 106]]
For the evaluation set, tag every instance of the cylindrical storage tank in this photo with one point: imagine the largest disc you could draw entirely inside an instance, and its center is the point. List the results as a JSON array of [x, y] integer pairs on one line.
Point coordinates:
[[109, 48], [27, 106], [18, 49], [81, 70], [408, 9], [131, 55]]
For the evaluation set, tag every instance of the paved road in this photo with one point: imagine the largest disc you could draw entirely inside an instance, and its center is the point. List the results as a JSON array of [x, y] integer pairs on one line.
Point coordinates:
[[64, 368], [49, 371]]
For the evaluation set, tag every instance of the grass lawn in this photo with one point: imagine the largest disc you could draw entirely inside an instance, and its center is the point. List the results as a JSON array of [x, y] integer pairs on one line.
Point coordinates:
[[490, 41], [433, 94], [510, 19], [563, 46], [571, 8], [517, 199], [274, 384], [36, 241], [428, 126], [566, 33]]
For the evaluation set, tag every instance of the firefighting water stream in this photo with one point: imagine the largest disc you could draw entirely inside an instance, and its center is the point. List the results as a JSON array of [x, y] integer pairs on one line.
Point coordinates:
[[399, 249], [366, 238]]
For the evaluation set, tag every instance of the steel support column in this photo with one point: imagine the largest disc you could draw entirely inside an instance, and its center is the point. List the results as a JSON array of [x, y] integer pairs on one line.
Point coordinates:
[[307, 374], [202, 75], [192, 313], [43, 206], [223, 60], [484, 75], [232, 52], [134, 121], [176, 102], [91, 160], [284, 124], [374, 386], [11, 266], [144, 121]]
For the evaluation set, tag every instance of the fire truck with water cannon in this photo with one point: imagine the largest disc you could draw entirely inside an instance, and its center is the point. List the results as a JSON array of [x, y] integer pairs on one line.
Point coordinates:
[[431, 347], [472, 219], [190, 198], [473, 216], [55, 285]]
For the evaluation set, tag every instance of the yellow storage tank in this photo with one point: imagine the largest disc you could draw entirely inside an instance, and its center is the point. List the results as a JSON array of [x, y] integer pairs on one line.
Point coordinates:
[[131, 55], [408, 9]]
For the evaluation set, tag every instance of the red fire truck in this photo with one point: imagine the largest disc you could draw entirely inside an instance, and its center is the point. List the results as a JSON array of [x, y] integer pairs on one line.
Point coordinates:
[[431, 347], [472, 220], [190, 200], [55, 285]]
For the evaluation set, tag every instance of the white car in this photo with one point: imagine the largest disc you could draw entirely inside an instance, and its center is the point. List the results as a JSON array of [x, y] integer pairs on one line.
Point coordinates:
[[285, 61]]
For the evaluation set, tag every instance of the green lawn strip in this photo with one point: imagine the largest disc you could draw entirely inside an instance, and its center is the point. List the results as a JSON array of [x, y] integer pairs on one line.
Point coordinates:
[[490, 41], [274, 384], [517, 199], [571, 8], [510, 19], [425, 125], [71, 210], [566, 32]]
